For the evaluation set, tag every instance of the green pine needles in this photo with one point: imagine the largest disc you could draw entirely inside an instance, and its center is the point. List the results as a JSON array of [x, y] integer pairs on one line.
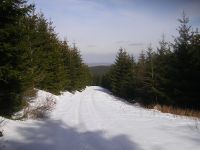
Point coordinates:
[[169, 75], [32, 56]]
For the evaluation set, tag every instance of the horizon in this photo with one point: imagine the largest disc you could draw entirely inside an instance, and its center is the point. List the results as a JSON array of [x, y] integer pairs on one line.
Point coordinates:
[[100, 27]]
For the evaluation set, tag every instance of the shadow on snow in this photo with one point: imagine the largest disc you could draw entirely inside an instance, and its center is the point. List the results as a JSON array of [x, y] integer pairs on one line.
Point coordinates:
[[54, 135]]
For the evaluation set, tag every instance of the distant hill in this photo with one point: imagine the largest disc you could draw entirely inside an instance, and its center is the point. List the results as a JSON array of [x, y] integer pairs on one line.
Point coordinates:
[[99, 70], [98, 64]]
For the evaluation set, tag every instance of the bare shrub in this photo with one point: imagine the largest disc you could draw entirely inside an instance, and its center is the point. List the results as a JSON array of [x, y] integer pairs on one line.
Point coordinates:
[[2, 123], [157, 107], [40, 110]]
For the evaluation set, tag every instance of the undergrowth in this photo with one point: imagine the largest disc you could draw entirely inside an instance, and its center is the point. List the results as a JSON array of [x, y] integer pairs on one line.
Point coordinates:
[[175, 110]]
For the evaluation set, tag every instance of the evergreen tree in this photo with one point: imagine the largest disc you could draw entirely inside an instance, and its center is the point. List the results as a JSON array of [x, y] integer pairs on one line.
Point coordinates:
[[32, 56], [12, 86], [162, 70], [194, 92], [141, 87], [122, 75], [75, 68], [147, 80], [169, 76], [65, 57], [181, 65], [106, 80]]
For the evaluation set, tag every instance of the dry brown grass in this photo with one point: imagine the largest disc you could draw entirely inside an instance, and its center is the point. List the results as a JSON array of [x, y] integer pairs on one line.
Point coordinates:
[[177, 111]]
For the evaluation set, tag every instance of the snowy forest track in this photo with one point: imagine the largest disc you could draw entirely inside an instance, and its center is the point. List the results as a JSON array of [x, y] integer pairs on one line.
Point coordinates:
[[96, 120]]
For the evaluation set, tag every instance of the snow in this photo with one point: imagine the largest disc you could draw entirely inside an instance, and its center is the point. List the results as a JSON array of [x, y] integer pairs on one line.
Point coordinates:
[[95, 120], [41, 98]]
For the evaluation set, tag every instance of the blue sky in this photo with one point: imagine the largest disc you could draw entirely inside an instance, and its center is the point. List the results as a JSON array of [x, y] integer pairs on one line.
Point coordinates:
[[100, 27]]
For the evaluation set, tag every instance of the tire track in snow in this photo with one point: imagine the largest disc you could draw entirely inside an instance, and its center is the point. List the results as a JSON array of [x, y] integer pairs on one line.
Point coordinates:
[[87, 113], [60, 110], [95, 114]]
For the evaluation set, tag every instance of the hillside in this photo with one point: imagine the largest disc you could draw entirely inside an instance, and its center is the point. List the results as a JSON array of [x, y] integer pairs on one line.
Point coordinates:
[[99, 70]]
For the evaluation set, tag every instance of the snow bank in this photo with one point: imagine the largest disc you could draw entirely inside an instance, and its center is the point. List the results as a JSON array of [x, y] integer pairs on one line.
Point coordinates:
[[42, 100]]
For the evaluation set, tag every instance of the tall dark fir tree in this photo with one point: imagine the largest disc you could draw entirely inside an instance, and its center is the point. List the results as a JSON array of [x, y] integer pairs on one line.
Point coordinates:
[[12, 13], [185, 79]]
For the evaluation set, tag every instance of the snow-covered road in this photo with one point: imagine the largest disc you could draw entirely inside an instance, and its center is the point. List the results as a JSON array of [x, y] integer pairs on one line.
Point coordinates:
[[95, 120]]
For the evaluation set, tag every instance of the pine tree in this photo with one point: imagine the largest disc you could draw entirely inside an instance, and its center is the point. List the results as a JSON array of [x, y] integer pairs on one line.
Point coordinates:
[[149, 78], [162, 70], [181, 65], [140, 76], [122, 75], [65, 57], [32, 56], [194, 53], [12, 54]]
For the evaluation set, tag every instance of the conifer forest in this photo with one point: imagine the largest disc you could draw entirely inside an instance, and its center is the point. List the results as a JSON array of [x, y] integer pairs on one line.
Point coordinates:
[[32, 56], [99, 75]]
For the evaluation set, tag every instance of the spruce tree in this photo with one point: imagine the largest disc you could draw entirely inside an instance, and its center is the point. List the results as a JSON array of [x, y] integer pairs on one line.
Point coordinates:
[[12, 54], [194, 92], [162, 70], [122, 75], [181, 65]]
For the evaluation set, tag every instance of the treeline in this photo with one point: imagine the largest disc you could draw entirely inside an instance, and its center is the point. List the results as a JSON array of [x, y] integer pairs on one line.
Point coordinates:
[[32, 56], [97, 72], [169, 75]]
